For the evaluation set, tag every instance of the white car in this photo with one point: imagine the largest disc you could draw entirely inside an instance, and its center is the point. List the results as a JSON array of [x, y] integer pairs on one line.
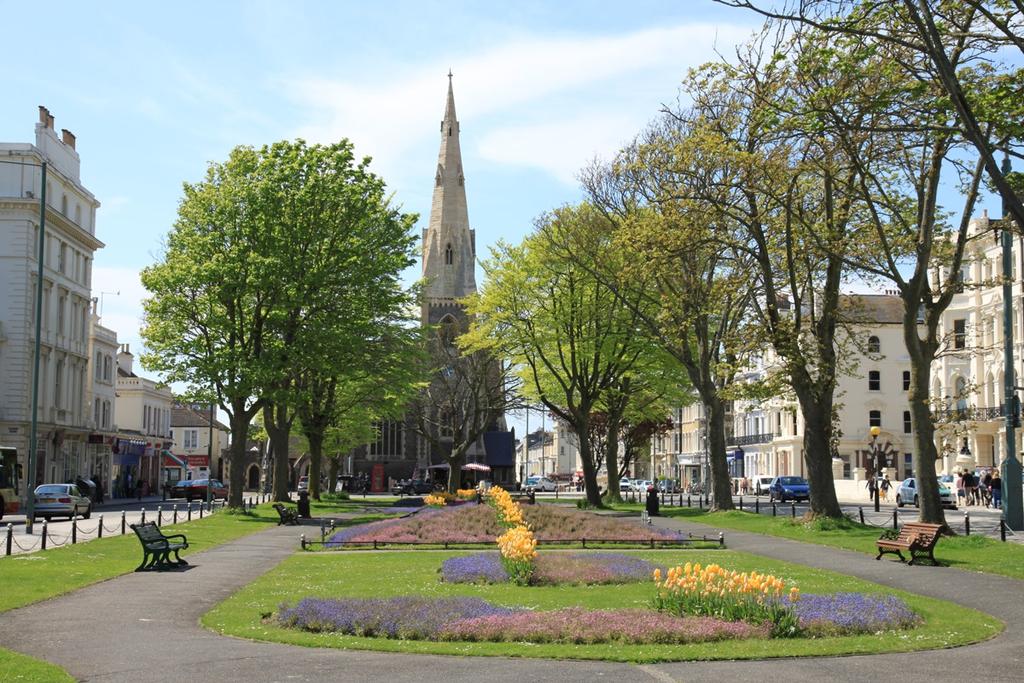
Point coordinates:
[[540, 484], [761, 485], [641, 485], [906, 494]]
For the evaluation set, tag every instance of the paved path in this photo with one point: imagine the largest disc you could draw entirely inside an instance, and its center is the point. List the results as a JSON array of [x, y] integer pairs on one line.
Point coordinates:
[[144, 627]]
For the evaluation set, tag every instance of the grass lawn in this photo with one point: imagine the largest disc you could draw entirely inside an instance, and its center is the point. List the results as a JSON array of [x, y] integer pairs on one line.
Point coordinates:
[[391, 573], [43, 575], [972, 553]]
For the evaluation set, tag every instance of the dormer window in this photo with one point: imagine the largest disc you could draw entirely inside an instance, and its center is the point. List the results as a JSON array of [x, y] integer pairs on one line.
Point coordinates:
[[448, 255]]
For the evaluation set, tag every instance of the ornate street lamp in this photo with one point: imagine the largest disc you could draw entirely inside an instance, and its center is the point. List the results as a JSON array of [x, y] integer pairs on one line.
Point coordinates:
[[880, 456]]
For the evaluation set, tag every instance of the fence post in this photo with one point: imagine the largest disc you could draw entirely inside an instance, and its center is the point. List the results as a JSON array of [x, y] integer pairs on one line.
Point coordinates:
[[44, 534], [689, 503], [895, 519], [584, 543], [10, 537], [775, 509], [700, 501], [967, 523], [174, 513], [860, 509], [74, 529], [159, 515], [741, 503], [1002, 530], [200, 509], [321, 530], [189, 511], [721, 539], [143, 521], [122, 523], [99, 529], [302, 541], [757, 505], [793, 504]]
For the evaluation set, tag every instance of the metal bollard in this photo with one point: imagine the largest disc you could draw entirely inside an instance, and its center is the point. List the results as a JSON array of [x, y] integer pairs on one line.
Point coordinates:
[[189, 518], [757, 505], [741, 503], [122, 523], [1002, 531], [689, 503], [200, 510], [967, 523], [44, 534], [700, 501], [302, 541], [721, 539], [159, 515], [143, 521], [322, 530], [895, 519], [861, 511], [74, 529], [793, 504], [775, 510], [10, 537], [174, 514], [99, 529]]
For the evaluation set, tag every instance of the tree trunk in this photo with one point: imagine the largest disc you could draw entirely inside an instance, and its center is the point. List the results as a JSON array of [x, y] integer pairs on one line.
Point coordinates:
[[316, 449], [581, 425], [611, 457], [237, 455], [925, 453], [332, 474], [273, 420], [721, 487], [818, 457], [455, 462]]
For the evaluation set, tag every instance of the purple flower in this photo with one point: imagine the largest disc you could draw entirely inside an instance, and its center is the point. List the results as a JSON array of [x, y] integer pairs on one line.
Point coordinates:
[[402, 617], [847, 613], [477, 568]]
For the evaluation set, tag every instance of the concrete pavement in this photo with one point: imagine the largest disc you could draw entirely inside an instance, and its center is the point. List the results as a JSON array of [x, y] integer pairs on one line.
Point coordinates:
[[144, 627]]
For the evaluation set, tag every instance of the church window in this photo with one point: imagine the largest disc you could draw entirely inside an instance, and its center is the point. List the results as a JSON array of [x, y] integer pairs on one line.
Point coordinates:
[[448, 255], [449, 131], [389, 440]]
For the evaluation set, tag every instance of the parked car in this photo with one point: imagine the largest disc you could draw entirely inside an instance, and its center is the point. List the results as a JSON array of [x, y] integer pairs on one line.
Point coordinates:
[[789, 488], [625, 485], [540, 484], [907, 494], [411, 487], [761, 485], [668, 486], [61, 500], [195, 489]]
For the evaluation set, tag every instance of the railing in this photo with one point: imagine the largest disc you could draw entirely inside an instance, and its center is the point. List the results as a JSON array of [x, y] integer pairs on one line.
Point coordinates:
[[971, 413], [749, 439]]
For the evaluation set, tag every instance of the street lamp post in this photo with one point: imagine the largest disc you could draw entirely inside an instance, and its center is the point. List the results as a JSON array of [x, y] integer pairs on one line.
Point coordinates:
[[30, 499]]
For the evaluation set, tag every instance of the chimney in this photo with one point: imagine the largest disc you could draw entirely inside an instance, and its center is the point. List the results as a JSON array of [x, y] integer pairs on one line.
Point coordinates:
[[124, 359], [44, 115], [67, 137]]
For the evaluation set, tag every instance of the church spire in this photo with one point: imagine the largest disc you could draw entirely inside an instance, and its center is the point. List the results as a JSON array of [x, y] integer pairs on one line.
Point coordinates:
[[449, 250]]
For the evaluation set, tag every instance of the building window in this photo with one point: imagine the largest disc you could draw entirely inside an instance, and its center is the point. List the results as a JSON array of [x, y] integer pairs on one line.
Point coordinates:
[[190, 438], [58, 395], [874, 345], [448, 255], [106, 414], [61, 304], [906, 380], [96, 413], [874, 380], [908, 425], [908, 464], [62, 258], [960, 333], [875, 418], [389, 440], [99, 366], [106, 368]]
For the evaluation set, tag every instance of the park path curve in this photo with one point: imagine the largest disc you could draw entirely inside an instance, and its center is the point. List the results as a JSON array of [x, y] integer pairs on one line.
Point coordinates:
[[145, 627]]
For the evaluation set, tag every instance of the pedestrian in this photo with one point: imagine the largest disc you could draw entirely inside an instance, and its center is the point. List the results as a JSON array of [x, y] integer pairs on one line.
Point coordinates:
[[961, 492], [997, 490], [99, 489], [885, 486], [871, 487]]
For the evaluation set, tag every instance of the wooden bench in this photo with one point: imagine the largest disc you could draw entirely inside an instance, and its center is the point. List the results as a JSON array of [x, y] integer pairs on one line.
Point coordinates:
[[157, 548], [286, 514], [917, 538]]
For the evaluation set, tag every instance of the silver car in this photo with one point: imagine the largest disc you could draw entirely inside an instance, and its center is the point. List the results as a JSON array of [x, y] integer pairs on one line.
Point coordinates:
[[907, 494], [61, 500]]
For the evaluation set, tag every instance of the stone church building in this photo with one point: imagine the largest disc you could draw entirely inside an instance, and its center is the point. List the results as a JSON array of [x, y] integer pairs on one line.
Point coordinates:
[[449, 262]]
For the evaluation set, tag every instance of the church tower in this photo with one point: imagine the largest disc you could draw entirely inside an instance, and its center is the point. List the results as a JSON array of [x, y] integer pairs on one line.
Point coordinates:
[[449, 246]]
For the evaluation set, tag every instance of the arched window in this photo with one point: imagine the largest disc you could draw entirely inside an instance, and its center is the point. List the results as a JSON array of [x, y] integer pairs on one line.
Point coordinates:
[[874, 345], [98, 372], [449, 256], [961, 393]]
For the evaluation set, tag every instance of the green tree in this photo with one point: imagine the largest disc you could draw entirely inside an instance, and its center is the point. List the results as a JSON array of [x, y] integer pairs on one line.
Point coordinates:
[[279, 259]]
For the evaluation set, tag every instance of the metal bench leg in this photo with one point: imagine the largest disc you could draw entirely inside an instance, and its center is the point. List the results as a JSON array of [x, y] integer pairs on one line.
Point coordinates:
[[145, 559], [178, 559]]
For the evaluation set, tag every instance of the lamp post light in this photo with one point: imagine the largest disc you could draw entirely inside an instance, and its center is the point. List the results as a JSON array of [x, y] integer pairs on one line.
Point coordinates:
[[30, 499]]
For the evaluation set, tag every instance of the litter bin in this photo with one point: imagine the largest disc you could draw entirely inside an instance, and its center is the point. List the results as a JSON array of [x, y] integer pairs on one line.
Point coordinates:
[[304, 504]]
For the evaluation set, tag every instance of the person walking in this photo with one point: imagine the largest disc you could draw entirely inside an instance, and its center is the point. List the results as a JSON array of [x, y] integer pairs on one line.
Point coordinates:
[[885, 486], [997, 490], [870, 486], [961, 492]]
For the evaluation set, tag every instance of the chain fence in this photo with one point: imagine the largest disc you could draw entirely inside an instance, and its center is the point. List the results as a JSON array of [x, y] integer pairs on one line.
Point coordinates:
[[82, 533]]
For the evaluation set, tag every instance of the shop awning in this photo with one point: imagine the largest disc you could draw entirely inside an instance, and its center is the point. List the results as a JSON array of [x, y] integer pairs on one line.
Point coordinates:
[[476, 467]]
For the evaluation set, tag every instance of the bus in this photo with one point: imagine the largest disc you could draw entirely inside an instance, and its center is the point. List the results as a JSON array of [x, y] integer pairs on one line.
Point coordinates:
[[9, 500]]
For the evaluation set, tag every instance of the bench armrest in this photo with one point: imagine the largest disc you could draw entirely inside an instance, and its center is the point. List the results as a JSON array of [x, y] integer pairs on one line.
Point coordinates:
[[181, 536]]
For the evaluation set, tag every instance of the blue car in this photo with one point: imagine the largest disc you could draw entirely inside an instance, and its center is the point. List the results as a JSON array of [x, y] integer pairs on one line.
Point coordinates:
[[789, 488]]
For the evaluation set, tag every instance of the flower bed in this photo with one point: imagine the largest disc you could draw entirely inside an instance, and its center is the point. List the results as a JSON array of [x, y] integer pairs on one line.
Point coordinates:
[[472, 619], [849, 613], [551, 569], [478, 524]]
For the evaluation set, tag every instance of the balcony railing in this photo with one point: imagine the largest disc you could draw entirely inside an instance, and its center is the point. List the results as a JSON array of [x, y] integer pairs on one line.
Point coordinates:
[[972, 413], [749, 439]]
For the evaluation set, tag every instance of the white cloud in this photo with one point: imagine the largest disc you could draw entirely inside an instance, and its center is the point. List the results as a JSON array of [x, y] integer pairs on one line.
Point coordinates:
[[387, 116]]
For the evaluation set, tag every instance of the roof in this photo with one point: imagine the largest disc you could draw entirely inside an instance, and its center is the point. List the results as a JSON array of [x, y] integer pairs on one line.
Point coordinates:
[[186, 416], [885, 309]]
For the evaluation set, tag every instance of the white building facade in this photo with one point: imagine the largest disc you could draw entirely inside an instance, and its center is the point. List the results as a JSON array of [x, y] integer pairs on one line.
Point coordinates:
[[144, 421], [64, 415], [102, 400]]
